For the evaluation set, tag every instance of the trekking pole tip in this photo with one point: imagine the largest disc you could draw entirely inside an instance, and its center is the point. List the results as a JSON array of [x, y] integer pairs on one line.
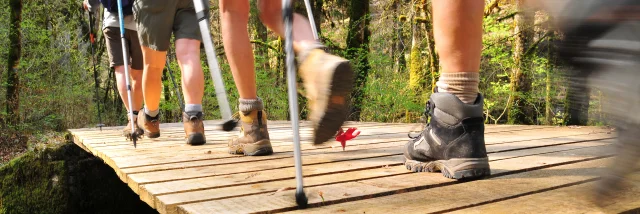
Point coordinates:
[[301, 199], [134, 138], [229, 125], [100, 125]]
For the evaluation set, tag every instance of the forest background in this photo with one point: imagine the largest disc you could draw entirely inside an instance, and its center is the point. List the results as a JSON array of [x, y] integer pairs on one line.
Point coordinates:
[[48, 82]]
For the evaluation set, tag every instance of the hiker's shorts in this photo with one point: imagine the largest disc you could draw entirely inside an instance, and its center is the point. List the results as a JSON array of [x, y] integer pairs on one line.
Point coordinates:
[[114, 47], [157, 19]]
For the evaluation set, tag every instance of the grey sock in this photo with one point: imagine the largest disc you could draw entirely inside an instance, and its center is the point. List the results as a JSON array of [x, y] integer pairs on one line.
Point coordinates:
[[248, 105], [153, 113], [462, 84], [302, 55], [192, 108]]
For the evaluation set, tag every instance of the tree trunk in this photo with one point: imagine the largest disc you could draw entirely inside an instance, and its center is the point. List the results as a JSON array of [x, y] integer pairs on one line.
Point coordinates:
[[259, 33], [417, 74], [15, 50], [434, 61], [548, 114], [357, 51], [398, 39], [522, 112]]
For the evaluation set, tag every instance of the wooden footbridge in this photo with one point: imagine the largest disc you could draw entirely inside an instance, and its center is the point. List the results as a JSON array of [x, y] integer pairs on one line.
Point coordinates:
[[535, 169]]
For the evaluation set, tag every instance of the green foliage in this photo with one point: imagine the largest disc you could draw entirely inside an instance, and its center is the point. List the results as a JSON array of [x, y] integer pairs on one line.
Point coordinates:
[[57, 84]]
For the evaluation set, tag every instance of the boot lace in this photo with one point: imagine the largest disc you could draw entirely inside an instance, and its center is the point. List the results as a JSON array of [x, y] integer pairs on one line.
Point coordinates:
[[424, 121]]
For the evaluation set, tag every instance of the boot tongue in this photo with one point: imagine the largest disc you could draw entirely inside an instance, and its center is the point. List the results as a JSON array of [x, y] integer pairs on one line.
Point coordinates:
[[194, 115]]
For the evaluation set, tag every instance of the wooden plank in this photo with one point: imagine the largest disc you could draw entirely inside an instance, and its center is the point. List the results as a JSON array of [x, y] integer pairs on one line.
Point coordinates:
[[283, 130], [205, 152], [492, 149], [287, 153], [148, 192], [577, 198], [114, 138], [505, 143], [283, 201], [166, 203], [221, 138], [135, 180], [504, 189], [111, 156]]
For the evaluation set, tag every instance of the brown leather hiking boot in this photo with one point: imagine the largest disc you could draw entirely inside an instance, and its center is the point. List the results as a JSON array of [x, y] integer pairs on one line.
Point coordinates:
[[149, 125], [254, 140], [127, 130], [193, 129], [328, 81]]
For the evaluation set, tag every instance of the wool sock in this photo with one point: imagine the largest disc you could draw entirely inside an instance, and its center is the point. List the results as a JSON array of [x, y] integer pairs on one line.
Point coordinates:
[[248, 105], [193, 109], [153, 113], [463, 85]]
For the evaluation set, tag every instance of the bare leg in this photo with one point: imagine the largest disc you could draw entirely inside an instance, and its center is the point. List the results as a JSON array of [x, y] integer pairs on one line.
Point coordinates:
[[328, 79], [457, 28], [458, 34], [136, 84], [271, 16], [152, 77], [188, 54], [235, 36]]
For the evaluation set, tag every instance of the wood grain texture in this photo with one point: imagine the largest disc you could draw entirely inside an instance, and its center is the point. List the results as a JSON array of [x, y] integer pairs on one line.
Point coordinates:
[[369, 176]]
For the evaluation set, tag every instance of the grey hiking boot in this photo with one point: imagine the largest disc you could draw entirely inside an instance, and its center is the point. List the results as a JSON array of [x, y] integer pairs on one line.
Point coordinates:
[[453, 141], [328, 81], [254, 137]]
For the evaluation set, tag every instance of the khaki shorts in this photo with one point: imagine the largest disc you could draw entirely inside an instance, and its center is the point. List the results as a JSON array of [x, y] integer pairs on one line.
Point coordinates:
[[114, 47], [157, 19]]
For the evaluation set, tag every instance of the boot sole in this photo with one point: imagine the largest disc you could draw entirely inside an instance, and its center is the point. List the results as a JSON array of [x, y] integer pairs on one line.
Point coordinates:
[[260, 148], [196, 139], [152, 135], [336, 114], [455, 168]]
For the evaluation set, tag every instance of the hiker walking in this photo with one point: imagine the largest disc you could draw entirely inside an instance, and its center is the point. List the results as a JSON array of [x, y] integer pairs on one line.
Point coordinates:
[[156, 21], [328, 79], [111, 31]]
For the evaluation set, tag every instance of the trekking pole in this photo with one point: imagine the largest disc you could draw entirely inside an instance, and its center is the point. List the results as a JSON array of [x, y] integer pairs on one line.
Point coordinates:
[[287, 15], [311, 21], [125, 55], [175, 86], [221, 93], [95, 73]]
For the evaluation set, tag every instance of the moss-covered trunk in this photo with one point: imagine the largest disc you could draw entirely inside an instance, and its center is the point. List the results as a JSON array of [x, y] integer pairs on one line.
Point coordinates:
[[522, 111], [357, 51], [15, 50], [417, 70]]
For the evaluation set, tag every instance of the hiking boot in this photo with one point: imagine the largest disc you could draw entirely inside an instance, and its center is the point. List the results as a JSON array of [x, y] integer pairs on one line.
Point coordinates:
[[127, 130], [193, 128], [254, 137], [150, 125], [453, 141], [328, 81]]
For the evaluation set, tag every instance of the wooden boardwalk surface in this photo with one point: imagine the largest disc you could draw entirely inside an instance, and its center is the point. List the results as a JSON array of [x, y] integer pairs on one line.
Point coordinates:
[[535, 169]]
